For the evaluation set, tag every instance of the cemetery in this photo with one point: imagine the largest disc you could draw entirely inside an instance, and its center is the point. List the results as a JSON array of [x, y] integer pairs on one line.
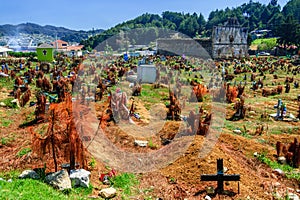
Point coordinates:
[[176, 106], [50, 105]]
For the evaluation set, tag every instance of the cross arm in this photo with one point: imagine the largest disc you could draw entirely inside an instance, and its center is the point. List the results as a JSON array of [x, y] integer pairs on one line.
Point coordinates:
[[209, 177]]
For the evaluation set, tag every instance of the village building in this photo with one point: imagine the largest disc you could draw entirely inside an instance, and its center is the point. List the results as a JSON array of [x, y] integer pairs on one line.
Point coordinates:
[[45, 52], [70, 50], [4, 51], [75, 50], [60, 45]]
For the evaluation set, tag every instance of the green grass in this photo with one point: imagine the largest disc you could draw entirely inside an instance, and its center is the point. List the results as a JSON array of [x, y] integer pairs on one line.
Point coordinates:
[[7, 140], [6, 122], [152, 96], [265, 44], [6, 83], [23, 152], [24, 189], [29, 118], [125, 182], [92, 163], [289, 171], [8, 102]]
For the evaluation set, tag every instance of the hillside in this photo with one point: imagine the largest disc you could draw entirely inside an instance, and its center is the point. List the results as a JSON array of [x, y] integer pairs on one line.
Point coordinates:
[[48, 30], [252, 15]]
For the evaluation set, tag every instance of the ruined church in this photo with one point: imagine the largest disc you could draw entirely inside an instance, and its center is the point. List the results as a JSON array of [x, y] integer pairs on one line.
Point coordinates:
[[229, 40]]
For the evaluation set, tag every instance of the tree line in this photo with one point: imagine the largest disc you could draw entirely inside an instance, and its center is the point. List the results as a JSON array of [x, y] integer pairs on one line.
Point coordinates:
[[284, 22]]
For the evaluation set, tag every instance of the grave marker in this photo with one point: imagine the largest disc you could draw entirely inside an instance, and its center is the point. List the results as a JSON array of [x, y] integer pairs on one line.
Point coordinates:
[[220, 177]]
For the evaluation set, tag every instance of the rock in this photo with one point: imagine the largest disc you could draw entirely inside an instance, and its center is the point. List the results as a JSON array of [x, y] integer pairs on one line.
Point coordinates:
[[292, 196], [9, 180], [298, 191], [255, 154], [277, 184], [225, 169], [59, 180], [108, 193], [282, 160], [277, 195], [278, 171], [2, 104], [80, 177], [29, 174], [141, 143], [237, 131], [1, 179], [16, 102], [210, 190], [207, 197], [273, 176]]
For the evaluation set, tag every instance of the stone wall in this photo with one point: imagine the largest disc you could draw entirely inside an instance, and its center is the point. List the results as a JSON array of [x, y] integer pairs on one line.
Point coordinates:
[[185, 46]]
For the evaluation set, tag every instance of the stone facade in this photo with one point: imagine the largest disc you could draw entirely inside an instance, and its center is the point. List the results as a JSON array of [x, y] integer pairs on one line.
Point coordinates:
[[229, 40]]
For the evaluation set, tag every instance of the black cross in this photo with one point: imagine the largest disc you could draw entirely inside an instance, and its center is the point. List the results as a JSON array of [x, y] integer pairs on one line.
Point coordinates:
[[45, 52], [220, 177]]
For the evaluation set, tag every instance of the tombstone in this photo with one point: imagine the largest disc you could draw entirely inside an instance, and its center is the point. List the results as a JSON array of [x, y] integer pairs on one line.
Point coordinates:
[[278, 106], [146, 73], [220, 177]]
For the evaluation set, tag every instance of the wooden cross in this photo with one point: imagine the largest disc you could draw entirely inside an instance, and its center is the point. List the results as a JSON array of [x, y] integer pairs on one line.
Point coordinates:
[[220, 177]]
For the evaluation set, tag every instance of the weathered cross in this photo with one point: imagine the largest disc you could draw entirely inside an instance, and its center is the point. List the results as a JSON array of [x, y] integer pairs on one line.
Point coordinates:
[[220, 177]]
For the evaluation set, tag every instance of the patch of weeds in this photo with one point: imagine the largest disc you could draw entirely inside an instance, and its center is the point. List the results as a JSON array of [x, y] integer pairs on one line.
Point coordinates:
[[289, 171], [262, 141], [9, 104], [23, 152], [172, 180], [7, 140], [292, 130], [6, 83], [10, 174], [43, 129], [28, 120], [6, 122], [92, 163], [276, 131], [82, 190], [125, 181], [151, 144], [229, 125]]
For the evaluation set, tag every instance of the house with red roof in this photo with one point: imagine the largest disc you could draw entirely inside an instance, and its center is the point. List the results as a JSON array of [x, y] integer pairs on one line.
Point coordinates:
[[71, 50]]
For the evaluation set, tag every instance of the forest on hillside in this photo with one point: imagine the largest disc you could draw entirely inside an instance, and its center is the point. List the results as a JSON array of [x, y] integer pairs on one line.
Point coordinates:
[[284, 22]]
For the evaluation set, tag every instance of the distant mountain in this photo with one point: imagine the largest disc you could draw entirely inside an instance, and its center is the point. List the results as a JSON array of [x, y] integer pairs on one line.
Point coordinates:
[[53, 31]]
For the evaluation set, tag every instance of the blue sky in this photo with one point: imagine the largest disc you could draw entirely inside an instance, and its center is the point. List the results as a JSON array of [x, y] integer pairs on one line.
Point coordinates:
[[88, 14]]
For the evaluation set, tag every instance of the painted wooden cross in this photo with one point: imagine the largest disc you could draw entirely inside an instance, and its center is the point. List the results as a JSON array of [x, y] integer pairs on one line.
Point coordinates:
[[220, 177]]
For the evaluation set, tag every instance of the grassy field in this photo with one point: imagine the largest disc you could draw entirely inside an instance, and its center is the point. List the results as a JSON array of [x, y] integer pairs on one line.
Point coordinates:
[[265, 43]]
